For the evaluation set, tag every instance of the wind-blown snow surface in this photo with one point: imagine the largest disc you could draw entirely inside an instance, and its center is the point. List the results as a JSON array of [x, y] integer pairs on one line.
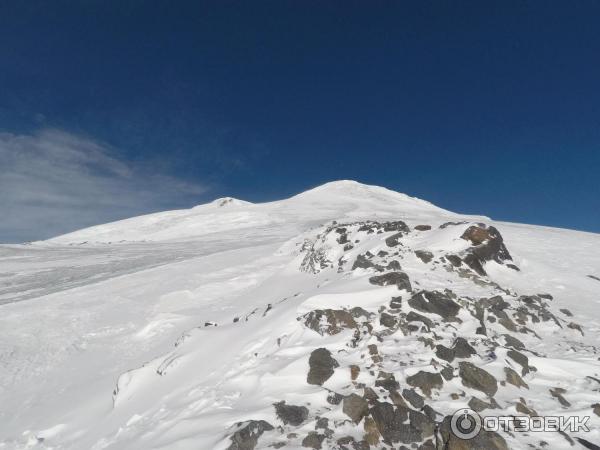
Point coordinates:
[[164, 331]]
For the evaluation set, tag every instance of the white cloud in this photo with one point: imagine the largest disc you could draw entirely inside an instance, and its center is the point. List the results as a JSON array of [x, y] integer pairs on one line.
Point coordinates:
[[53, 182]]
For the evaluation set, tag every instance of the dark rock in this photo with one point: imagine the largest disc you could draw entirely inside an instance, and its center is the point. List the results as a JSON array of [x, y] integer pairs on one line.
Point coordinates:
[[557, 393], [416, 317], [566, 312], [546, 296], [587, 444], [488, 245], [354, 371], [513, 378], [594, 277], [357, 312], [374, 352], [511, 341], [477, 378], [333, 398], [434, 302], [396, 225], [430, 412], [413, 398], [475, 263], [423, 227], [329, 321], [478, 405], [396, 303], [385, 418], [387, 381], [448, 373], [450, 224], [454, 260], [394, 265], [575, 326], [349, 443], [393, 240], [291, 414], [524, 409], [391, 424], [521, 359], [426, 381], [247, 433], [370, 394], [363, 262], [372, 433], [400, 279], [387, 320], [508, 324], [355, 407], [322, 423], [322, 366], [596, 409], [445, 353], [424, 256], [313, 440], [462, 349]]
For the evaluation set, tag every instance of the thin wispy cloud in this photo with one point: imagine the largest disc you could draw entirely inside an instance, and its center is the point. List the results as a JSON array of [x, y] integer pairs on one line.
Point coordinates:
[[53, 182]]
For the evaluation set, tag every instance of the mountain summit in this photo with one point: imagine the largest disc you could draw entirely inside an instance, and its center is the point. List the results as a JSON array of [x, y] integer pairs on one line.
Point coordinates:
[[330, 201]]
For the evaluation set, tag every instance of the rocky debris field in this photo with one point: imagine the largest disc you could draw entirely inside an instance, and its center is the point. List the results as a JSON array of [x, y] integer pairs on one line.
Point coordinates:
[[421, 333]]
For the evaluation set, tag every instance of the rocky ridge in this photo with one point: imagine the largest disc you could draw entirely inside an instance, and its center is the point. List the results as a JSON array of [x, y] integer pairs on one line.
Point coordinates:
[[439, 336]]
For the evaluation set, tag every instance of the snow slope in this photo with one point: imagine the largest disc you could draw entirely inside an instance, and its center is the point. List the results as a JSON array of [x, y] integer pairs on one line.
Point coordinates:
[[164, 331]]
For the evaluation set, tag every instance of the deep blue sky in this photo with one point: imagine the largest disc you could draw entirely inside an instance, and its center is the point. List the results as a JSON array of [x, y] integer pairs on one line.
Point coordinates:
[[479, 107]]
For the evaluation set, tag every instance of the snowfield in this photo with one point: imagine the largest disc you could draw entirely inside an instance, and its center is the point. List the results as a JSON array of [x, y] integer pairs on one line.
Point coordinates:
[[373, 315]]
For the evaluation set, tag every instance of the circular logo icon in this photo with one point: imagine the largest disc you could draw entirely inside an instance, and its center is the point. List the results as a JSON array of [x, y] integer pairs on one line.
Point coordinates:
[[465, 423]]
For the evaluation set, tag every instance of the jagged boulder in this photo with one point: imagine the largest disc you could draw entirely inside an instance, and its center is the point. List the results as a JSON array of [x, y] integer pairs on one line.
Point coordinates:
[[416, 317], [479, 405], [413, 398], [394, 240], [329, 321], [557, 393], [291, 414], [401, 424], [435, 302], [487, 245], [520, 359], [388, 320], [321, 366], [424, 256], [400, 279], [514, 378], [396, 225], [247, 433], [445, 353], [313, 440], [362, 262], [426, 381], [477, 378], [355, 407], [462, 348], [387, 381]]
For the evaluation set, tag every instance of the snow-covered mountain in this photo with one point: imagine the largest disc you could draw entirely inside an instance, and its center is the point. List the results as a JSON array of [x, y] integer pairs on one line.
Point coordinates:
[[345, 317]]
